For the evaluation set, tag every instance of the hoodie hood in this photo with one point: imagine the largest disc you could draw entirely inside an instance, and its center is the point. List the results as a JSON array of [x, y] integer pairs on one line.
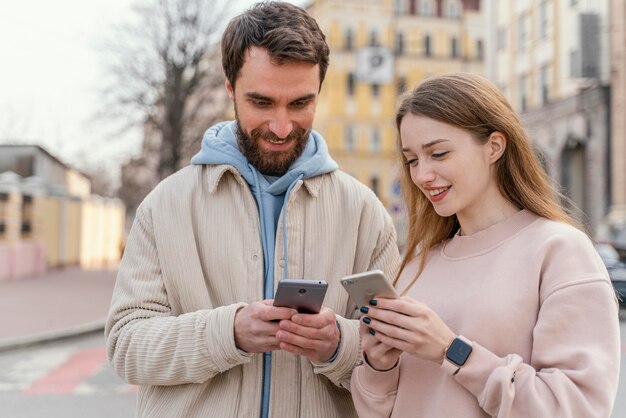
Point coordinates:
[[219, 146]]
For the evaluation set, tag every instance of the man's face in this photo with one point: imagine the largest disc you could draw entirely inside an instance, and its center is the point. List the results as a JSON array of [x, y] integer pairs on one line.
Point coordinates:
[[275, 107]]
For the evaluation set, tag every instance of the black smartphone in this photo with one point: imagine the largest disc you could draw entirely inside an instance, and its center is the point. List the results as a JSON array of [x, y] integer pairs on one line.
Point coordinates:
[[363, 287], [306, 296]]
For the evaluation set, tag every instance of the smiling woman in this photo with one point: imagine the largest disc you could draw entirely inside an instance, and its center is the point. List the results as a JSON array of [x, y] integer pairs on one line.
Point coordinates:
[[507, 309]]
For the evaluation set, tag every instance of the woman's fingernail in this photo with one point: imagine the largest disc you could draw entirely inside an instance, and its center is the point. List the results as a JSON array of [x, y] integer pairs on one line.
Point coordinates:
[[366, 320], [372, 332], [365, 309], [373, 302]]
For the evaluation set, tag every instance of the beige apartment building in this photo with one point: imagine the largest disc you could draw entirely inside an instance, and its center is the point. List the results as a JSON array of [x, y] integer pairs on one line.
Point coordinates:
[[551, 60], [380, 49], [617, 210]]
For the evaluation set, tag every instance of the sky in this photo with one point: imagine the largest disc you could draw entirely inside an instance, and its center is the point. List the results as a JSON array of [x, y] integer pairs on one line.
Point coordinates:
[[51, 70]]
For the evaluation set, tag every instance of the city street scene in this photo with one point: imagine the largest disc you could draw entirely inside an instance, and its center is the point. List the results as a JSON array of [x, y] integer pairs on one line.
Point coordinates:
[[101, 101]]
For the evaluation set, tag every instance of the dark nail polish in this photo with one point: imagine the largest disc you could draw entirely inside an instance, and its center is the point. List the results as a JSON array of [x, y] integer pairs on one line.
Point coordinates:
[[373, 302], [366, 320], [372, 332], [365, 309]]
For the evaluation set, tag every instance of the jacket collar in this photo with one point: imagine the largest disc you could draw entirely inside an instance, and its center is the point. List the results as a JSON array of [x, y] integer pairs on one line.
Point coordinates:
[[215, 173]]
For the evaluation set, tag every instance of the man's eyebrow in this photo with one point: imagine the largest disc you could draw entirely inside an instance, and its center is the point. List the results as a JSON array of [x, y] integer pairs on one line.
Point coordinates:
[[304, 98], [257, 96]]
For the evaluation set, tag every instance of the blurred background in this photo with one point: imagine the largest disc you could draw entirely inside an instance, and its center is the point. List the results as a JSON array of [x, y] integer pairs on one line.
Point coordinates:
[[100, 100]]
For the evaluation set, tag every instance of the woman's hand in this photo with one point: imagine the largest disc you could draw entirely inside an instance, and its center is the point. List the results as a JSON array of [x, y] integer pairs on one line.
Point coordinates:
[[378, 355], [407, 325]]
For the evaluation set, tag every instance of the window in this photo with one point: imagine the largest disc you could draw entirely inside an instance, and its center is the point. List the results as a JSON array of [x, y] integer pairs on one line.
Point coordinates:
[[399, 43], [522, 32], [544, 19], [523, 93], [349, 40], [427, 51], [574, 61], [350, 84], [412, 7], [4, 197], [375, 139], [373, 38], [350, 142], [479, 49], [454, 47], [426, 8], [452, 10], [544, 84], [399, 7], [3, 229], [502, 33], [375, 90], [374, 184], [27, 214], [401, 85]]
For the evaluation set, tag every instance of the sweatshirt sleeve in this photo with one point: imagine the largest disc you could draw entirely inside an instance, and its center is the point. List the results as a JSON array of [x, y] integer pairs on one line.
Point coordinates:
[[374, 392], [146, 343], [574, 366]]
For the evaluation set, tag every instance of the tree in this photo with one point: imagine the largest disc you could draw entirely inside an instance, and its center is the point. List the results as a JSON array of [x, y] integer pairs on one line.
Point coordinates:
[[165, 77]]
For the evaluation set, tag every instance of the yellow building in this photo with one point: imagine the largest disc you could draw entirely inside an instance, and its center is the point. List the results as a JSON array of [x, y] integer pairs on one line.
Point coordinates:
[[49, 218], [379, 49]]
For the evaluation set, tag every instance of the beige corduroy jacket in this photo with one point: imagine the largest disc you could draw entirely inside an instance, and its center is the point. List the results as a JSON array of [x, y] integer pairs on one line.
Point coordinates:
[[194, 257]]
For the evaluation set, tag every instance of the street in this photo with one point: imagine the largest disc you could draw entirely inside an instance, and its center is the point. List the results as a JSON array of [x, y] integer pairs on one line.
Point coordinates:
[[63, 379], [72, 378]]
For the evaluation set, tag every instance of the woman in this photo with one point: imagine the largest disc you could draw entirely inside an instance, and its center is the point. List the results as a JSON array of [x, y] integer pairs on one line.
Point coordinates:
[[507, 310]]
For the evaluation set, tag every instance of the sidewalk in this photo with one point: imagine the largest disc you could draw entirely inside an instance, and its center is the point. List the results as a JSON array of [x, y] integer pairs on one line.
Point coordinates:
[[58, 304]]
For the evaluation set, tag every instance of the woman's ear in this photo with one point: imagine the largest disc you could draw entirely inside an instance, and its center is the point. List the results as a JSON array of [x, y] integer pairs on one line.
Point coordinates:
[[497, 145]]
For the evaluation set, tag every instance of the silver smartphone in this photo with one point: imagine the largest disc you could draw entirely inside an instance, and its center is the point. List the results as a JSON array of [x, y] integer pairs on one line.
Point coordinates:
[[363, 287], [306, 296]]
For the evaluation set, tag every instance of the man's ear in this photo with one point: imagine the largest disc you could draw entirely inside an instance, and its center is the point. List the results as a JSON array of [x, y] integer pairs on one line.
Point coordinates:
[[230, 90], [497, 145]]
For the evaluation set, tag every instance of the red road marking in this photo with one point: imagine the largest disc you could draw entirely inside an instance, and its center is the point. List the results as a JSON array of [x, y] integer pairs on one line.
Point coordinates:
[[70, 374]]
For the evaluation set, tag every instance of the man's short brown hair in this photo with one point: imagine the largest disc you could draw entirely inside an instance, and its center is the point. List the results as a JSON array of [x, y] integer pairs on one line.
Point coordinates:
[[286, 31]]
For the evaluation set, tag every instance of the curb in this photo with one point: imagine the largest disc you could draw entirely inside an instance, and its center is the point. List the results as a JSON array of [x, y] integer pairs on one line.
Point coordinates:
[[32, 339]]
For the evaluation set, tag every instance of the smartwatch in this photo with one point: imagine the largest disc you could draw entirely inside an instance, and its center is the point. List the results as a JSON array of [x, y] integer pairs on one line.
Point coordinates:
[[456, 355]]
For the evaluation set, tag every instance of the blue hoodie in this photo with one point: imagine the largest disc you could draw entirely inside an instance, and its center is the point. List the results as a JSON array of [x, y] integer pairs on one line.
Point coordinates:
[[219, 146]]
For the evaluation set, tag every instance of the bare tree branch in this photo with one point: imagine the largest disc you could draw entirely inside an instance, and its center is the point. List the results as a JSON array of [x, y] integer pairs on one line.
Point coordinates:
[[165, 76]]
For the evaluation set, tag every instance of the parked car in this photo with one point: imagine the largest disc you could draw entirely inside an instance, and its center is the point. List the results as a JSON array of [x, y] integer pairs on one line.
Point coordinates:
[[615, 267]]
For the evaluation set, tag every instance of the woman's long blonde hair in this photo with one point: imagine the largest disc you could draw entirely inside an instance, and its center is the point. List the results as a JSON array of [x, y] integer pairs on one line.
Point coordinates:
[[473, 103]]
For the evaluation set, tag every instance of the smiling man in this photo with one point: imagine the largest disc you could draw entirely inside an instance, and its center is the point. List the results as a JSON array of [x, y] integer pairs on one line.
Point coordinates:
[[192, 320]]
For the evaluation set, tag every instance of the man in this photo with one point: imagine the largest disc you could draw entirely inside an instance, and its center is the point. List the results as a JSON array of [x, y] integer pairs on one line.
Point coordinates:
[[262, 201]]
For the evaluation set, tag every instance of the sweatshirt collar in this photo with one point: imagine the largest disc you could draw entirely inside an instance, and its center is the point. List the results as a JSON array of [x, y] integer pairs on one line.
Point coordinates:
[[465, 246]]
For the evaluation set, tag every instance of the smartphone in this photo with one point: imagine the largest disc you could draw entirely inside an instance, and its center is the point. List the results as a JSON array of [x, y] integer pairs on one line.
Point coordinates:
[[306, 296], [363, 287]]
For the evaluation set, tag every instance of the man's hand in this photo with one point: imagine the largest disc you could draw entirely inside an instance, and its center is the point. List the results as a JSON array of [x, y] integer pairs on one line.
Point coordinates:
[[315, 336], [256, 325]]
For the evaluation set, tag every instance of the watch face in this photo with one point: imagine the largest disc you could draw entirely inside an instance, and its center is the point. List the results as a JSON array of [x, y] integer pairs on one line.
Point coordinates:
[[458, 352]]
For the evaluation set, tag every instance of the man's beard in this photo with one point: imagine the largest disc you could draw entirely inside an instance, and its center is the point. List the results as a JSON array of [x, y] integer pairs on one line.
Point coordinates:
[[270, 163]]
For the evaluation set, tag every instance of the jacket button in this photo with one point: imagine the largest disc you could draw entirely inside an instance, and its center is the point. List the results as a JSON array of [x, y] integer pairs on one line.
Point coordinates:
[[281, 263], [255, 257]]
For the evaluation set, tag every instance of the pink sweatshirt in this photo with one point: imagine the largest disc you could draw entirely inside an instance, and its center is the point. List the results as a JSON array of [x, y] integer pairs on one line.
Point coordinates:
[[535, 300]]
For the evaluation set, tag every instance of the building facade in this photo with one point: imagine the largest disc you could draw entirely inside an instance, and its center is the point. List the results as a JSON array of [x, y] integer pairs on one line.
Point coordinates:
[[49, 218], [550, 58], [380, 49], [617, 162]]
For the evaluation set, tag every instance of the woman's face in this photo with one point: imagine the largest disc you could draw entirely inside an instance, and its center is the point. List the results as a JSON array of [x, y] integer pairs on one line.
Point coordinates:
[[451, 168]]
